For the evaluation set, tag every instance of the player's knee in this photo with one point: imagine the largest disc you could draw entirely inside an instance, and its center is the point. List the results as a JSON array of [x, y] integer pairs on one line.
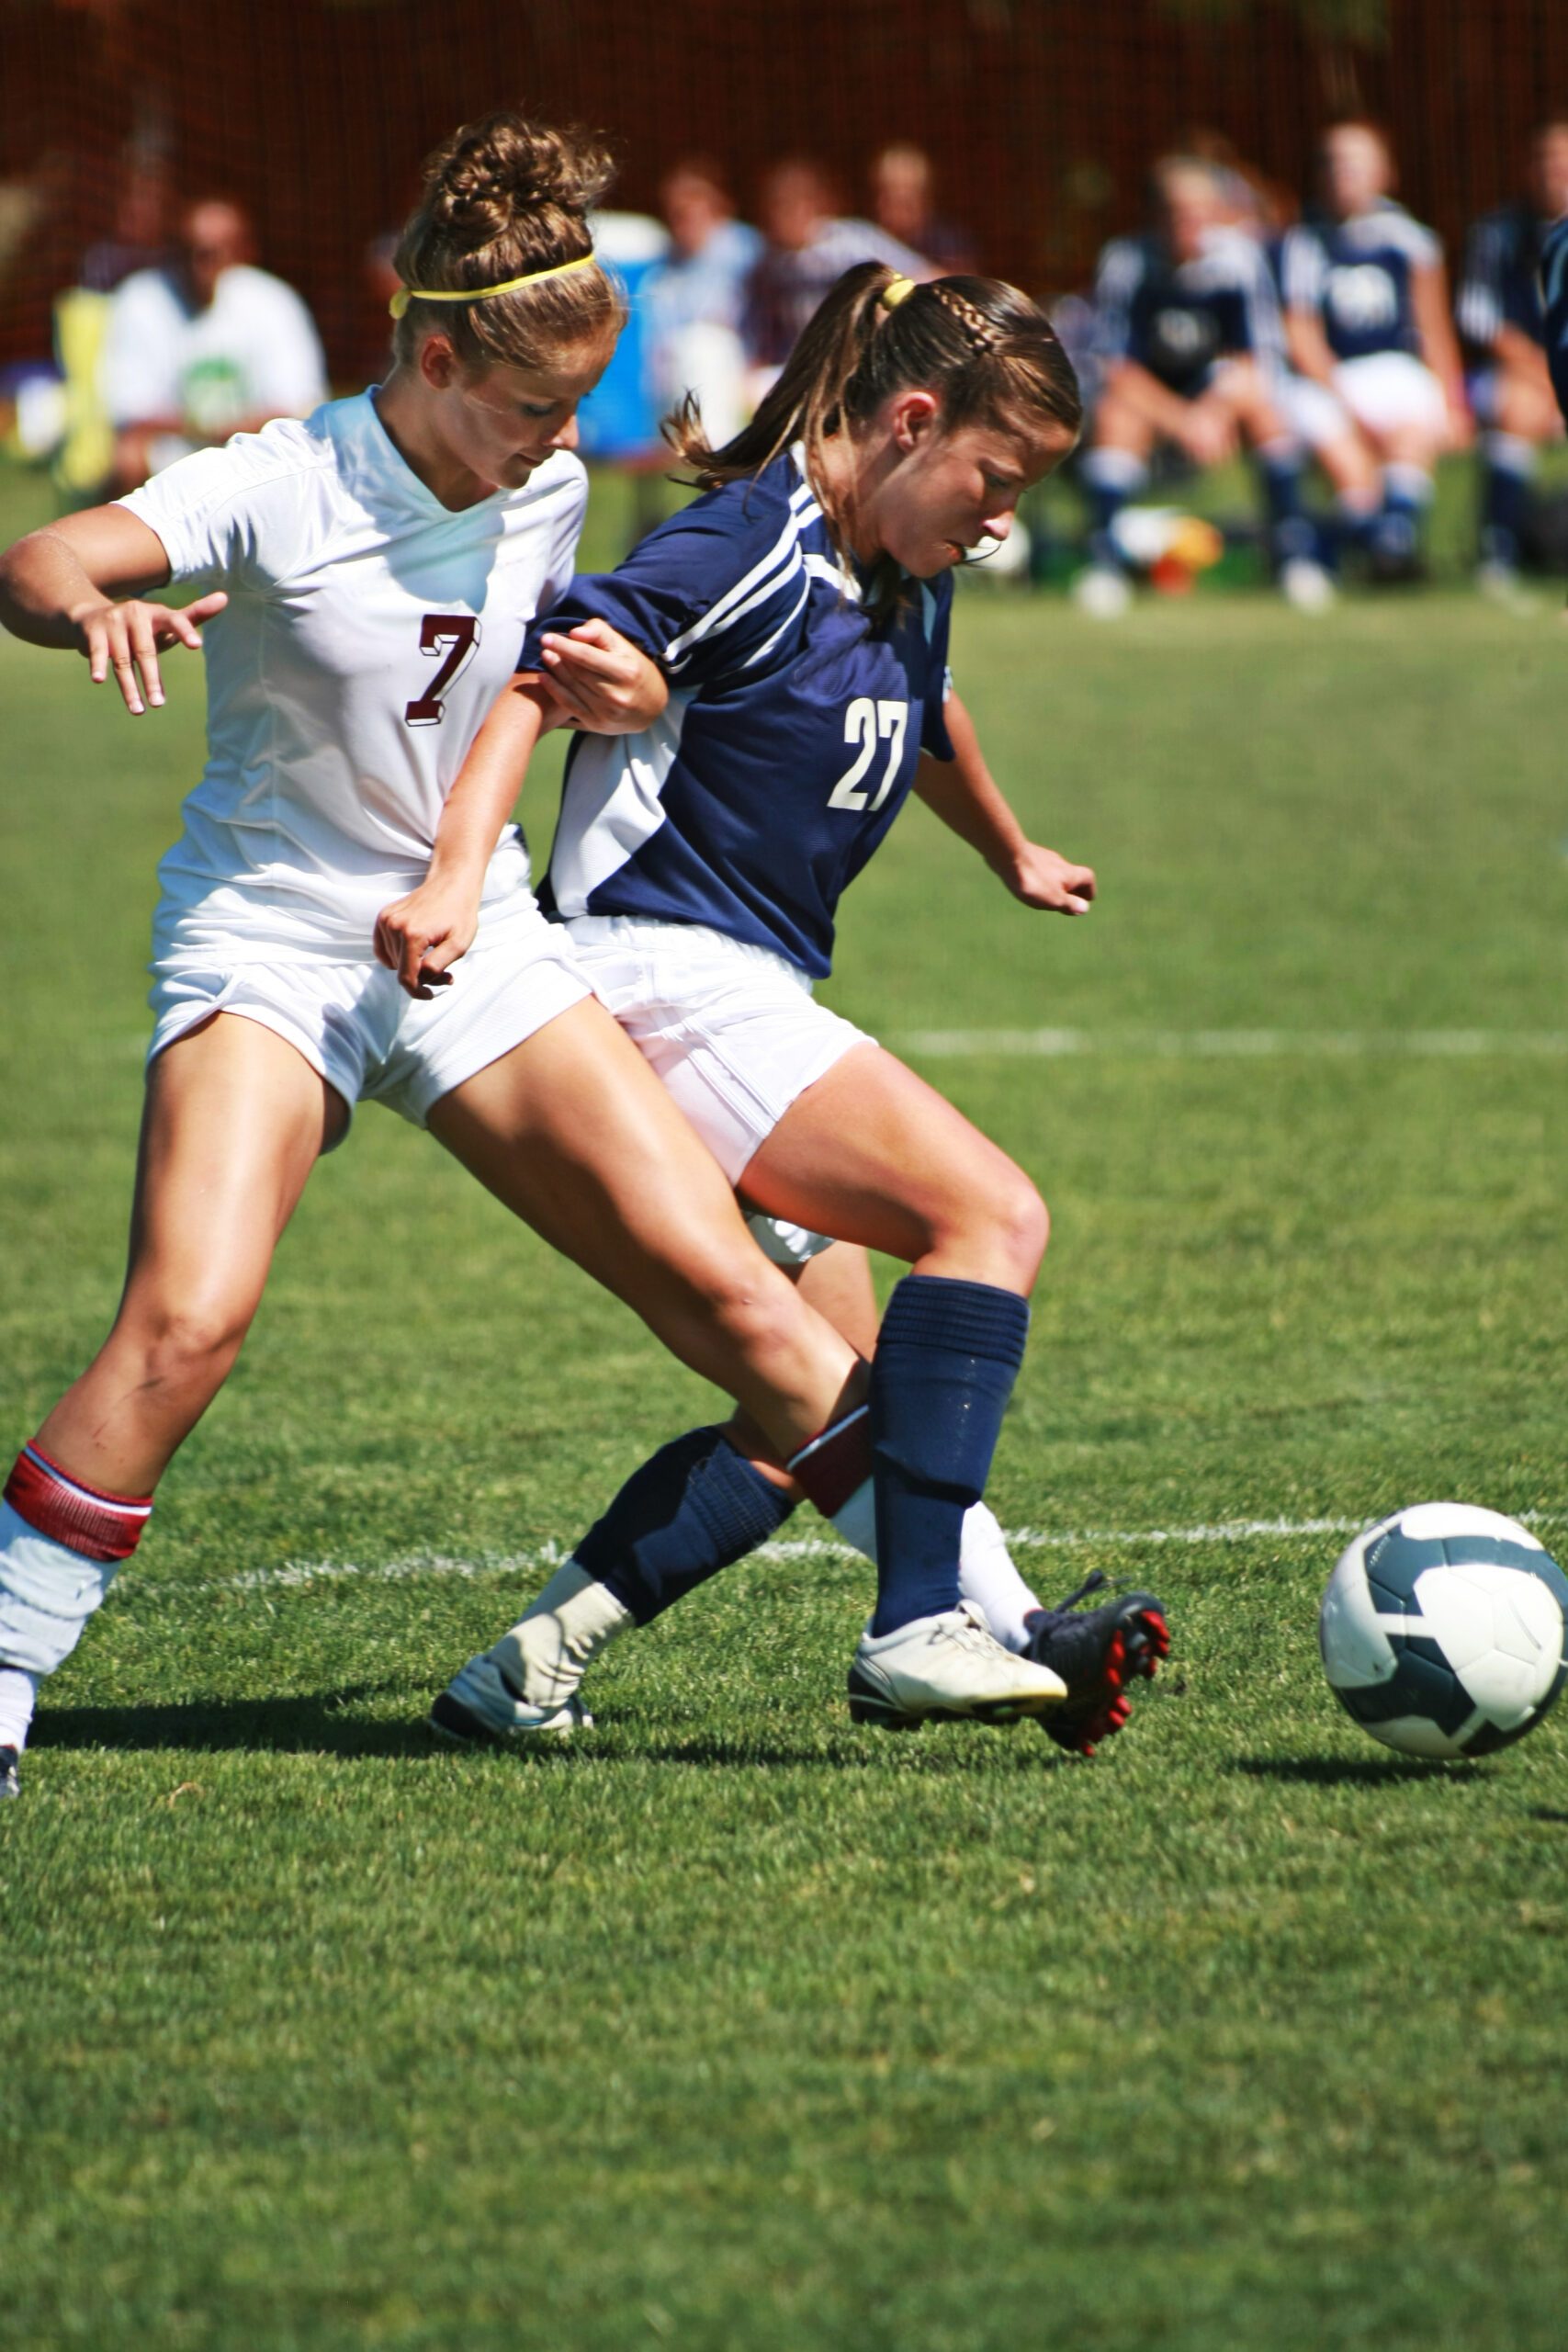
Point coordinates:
[[190, 1348], [1006, 1221], [1025, 1226]]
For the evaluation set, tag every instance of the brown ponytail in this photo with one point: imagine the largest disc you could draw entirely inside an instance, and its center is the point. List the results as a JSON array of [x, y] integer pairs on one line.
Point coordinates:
[[503, 198], [989, 353]]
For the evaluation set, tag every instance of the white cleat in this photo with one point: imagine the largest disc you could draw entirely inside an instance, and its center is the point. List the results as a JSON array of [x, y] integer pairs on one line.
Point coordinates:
[[946, 1667], [480, 1704], [1501, 585], [1306, 586], [1102, 592]]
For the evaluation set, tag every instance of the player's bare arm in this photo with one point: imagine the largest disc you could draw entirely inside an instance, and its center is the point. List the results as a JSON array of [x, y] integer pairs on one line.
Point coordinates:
[[966, 797], [78, 586], [1307, 346], [420, 936], [1439, 347]]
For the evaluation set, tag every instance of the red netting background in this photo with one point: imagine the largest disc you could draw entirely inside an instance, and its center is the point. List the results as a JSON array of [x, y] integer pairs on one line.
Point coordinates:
[[1041, 115]]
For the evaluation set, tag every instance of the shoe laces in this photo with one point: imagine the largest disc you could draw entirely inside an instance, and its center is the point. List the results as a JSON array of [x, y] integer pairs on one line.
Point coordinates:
[[1096, 1581], [973, 1632]]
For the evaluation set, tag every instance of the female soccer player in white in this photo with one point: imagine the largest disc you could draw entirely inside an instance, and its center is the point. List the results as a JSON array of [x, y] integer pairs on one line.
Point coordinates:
[[365, 575], [800, 613]]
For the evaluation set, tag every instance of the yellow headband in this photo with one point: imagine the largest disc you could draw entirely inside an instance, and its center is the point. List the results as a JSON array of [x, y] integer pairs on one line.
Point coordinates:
[[407, 294], [897, 290]]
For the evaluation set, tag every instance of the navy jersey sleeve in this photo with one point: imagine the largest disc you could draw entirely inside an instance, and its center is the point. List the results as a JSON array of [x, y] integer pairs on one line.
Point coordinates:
[[707, 593], [1554, 308]]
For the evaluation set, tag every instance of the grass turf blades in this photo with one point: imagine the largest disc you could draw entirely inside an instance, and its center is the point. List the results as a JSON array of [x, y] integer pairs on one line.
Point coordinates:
[[735, 2025]]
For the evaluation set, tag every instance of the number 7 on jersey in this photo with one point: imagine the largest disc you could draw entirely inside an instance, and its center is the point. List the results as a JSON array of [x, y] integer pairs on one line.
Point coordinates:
[[457, 636]]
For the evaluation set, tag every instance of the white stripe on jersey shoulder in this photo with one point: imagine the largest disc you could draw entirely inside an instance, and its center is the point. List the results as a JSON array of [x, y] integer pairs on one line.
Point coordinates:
[[777, 568], [822, 567], [788, 621], [780, 558]]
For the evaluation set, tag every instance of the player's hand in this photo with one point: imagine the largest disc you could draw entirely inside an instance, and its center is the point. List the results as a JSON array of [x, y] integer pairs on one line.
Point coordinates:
[[1459, 427], [421, 936], [1040, 878], [602, 681], [125, 638]]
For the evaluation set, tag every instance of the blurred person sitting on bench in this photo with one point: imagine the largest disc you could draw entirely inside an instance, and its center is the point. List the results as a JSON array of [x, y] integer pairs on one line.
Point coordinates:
[[203, 347], [1192, 349]]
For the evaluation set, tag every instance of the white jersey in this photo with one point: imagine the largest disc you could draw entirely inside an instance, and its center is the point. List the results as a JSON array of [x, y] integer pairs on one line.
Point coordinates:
[[254, 351], [367, 633]]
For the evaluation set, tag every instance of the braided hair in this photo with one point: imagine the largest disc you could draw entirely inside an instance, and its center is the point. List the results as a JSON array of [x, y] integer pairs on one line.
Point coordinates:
[[987, 353]]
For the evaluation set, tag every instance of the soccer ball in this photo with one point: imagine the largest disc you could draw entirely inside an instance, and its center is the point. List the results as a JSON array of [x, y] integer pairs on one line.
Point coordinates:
[[1444, 1631]]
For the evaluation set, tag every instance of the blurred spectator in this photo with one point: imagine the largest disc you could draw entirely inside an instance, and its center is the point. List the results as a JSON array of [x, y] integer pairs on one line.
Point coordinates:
[[903, 203], [808, 247], [1367, 320], [1500, 321], [204, 347], [694, 299], [1249, 199], [1191, 342]]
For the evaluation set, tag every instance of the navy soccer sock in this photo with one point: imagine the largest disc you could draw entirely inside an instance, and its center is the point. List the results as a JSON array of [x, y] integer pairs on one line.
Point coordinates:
[[946, 1358], [1509, 464], [692, 1509], [1406, 494], [1110, 478], [1290, 532]]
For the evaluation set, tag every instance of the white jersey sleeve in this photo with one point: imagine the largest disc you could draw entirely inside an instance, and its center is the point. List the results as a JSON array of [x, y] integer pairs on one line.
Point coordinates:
[[1303, 266], [239, 518]]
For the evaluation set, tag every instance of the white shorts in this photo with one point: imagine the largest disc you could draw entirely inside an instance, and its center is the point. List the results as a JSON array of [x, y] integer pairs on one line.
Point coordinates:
[[1313, 413], [370, 1040], [1389, 388], [733, 1032]]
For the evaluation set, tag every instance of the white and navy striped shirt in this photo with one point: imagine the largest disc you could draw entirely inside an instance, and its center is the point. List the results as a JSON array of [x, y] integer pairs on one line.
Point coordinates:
[[792, 735]]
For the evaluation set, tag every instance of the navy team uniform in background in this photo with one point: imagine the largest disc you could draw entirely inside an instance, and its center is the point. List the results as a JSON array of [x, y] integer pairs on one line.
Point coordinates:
[[1501, 287], [1178, 318]]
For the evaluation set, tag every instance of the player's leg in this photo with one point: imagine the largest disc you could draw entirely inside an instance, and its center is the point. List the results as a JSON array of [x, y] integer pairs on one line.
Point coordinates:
[[1113, 469], [1518, 415], [235, 1118], [871, 1152], [1241, 388], [1399, 405], [573, 1133], [837, 1282]]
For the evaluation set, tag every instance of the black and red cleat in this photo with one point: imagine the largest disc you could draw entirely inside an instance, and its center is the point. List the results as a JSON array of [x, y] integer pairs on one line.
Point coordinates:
[[1097, 1652]]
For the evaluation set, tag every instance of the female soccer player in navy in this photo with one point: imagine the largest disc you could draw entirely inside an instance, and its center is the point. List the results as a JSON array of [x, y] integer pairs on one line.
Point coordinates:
[[1366, 321], [365, 575], [800, 612]]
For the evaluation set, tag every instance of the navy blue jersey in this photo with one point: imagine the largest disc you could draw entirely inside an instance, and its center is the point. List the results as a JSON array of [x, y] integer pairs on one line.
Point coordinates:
[[1176, 319], [1358, 277], [1554, 309], [1501, 285], [792, 735]]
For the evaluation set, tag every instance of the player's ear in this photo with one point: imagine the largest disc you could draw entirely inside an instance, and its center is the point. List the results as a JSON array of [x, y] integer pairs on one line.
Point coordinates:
[[913, 417], [438, 363]]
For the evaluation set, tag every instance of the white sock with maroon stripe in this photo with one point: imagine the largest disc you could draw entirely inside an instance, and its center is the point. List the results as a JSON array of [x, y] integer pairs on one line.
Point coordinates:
[[61, 1543]]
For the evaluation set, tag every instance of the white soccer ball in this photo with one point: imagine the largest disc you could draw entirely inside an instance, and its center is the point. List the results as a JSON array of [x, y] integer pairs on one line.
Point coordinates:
[[1444, 1631]]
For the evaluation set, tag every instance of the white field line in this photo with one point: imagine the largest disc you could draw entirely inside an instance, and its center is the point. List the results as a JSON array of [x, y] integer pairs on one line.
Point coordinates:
[[291, 1574], [1239, 1045]]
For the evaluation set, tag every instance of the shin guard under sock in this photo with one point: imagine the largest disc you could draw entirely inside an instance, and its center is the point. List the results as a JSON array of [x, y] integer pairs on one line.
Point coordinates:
[[946, 1358], [696, 1506]]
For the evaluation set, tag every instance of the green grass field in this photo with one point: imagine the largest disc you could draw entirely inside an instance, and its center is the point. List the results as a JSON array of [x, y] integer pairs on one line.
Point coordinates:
[[735, 2028]]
